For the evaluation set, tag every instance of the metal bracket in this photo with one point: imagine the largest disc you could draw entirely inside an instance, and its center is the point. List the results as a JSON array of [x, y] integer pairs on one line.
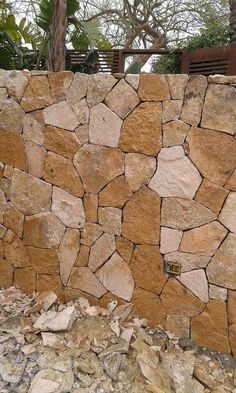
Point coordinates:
[[172, 268]]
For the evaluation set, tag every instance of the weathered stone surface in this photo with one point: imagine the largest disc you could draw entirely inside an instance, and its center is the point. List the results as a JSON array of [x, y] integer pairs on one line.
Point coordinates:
[[176, 176], [218, 293], [60, 83], [147, 268], [60, 171], [98, 165], [222, 269], [139, 169], [182, 214], [188, 261], [82, 278], [61, 141], [82, 133], [61, 115], [232, 339], [37, 94], [231, 307], [210, 329], [12, 367], [148, 305], [78, 88], [170, 239], [90, 233], [15, 83], [178, 300], [122, 99], [15, 251], [6, 273], [50, 282], [211, 195], [3, 96], [219, 109], [81, 110], [213, 153], [83, 256], [133, 80], [2, 231], [100, 251], [67, 208], [33, 127], [5, 186], [43, 230], [116, 193], [11, 117], [13, 219], [171, 110], [67, 253], [153, 88], [91, 207], [179, 325], [174, 133], [12, 151], [35, 157], [228, 213], [71, 294], [3, 205], [25, 279], [203, 240], [141, 217], [29, 194], [104, 126], [231, 182], [196, 282], [43, 261], [98, 88], [141, 131], [116, 277], [177, 84], [110, 219], [125, 248], [193, 99], [225, 79]]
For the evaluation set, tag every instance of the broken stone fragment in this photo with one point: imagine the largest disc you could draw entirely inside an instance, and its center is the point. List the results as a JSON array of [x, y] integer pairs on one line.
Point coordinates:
[[12, 367], [56, 322]]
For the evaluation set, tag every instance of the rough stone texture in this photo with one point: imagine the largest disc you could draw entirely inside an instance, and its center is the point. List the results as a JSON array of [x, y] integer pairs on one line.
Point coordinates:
[[155, 313], [61, 115], [12, 150], [60, 83], [188, 261], [49, 282], [83, 256], [11, 117], [98, 165], [183, 214], [228, 213], [116, 193], [174, 133], [15, 83], [220, 100], [110, 219], [25, 279], [90, 233], [171, 110], [60, 171], [91, 207], [147, 268], [231, 307], [43, 261], [33, 127], [170, 240], [78, 88], [139, 169], [153, 88], [82, 133], [100, 130], [13, 219], [81, 110], [176, 176], [179, 325], [193, 99], [204, 240], [43, 230], [125, 248], [196, 282], [177, 84], [122, 99], [6, 273], [116, 277], [14, 250], [133, 80], [37, 94], [218, 293], [231, 182], [67, 208], [29, 194], [82, 278], [98, 88], [209, 329], [222, 269], [35, 156], [67, 253], [213, 153], [177, 300], [3, 205], [61, 141], [211, 195], [101, 250], [141, 217], [141, 131]]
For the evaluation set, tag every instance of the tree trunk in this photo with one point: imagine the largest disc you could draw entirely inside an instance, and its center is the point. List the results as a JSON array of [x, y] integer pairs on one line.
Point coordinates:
[[57, 47], [232, 4]]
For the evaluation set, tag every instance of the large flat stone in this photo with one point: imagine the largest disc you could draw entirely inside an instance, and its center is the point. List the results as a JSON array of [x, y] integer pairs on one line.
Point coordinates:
[[11, 117], [82, 278], [228, 213], [61, 141], [193, 99], [188, 261], [174, 133], [197, 283], [176, 176], [148, 305], [139, 169], [15, 83], [67, 253], [12, 150], [101, 250], [68, 208], [122, 99], [177, 84], [153, 88], [43, 261], [61, 115], [37, 94]]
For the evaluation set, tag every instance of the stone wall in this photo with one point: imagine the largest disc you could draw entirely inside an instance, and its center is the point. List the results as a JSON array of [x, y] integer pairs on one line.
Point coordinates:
[[106, 178]]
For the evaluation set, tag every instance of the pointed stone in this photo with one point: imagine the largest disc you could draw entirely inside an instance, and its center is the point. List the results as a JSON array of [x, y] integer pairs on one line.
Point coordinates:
[[60, 83], [153, 88], [11, 117], [12, 150], [139, 169], [125, 248], [61, 141], [228, 213], [78, 88], [61, 115], [170, 240], [67, 253], [122, 99], [82, 278], [90, 233], [211, 195], [116, 193], [98, 88], [83, 256], [37, 94], [218, 293], [133, 80], [101, 250], [43, 261], [174, 133], [67, 208], [197, 283], [193, 99]]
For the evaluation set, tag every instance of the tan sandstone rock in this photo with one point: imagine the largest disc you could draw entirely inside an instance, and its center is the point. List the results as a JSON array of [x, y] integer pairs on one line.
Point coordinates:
[[141, 217], [171, 110], [133, 80], [60, 83], [29, 194], [78, 88], [122, 99], [116, 193], [188, 261], [147, 268], [231, 307], [218, 293], [141, 131], [11, 117], [90, 233], [43, 230], [3, 205], [61, 115], [211, 195], [231, 182], [61, 141], [176, 176], [43, 261], [15, 83], [50, 282], [68, 208], [170, 240], [177, 84], [110, 219], [81, 110], [148, 305], [91, 207], [33, 127], [12, 151], [37, 94], [83, 256], [213, 153], [174, 133], [13, 219], [25, 279], [210, 328], [153, 88], [82, 133], [6, 273], [98, 87], [179, 325], [82, 278], [228, 213], [67, 253], [196, 282], [101, 250], [98, 165], [60, 171], [14, 250], [193, 99], [139, 169], [35, 157], [125, 248]]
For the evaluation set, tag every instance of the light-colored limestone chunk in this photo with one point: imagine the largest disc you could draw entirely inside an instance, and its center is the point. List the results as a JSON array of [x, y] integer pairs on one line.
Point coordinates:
[[228, 213], [122, 99], [16, 82], [33, 127], [101, 250], [67, 253], [61, 115], [193, 99], [110, 219], [170, 240], [139, 169], [81, 110], [133, 80], [68, 208], [187, 261], [196, 282], [78, 88], [171, 110], [98, 87], [82, 278], [218, 293]]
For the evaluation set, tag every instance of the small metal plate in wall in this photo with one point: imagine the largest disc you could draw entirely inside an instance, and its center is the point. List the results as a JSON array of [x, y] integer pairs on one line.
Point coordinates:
[[173, 268]]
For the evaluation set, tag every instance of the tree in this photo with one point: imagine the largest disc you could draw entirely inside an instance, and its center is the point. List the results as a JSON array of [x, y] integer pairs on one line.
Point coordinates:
[[232, 4], [57, 42]]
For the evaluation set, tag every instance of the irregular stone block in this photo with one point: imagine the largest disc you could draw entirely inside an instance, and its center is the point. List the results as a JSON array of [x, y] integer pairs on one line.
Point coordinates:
[[67, 208], [196, 282], [50, 282], [228, 213], [82, 133], [61, 141], [90, 233], [81, 110], [139, 169], [82, 278], [91, 207], [174, 133], [98, 87], [122, 99], [188, 261], [116, 193], [16, 82], [177, 84], [67, 253], [153, 88], [15, 251], [170, 240], [133, 80], [218, 293], [171, 110], [60, 83], [25, 279], [83, 256], [101, 250], [211, 195], [193, 99], [179, 325], [61, 115], [13, 219], [35, 157], [33, 127], [125, 248], [11, 117], [110, 219], [44, 261], [148, 305], [78, 88], [37, 95], [12, 151]]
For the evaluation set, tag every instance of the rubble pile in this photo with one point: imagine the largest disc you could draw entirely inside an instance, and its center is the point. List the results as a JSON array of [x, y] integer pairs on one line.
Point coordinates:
[[49, 347]]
